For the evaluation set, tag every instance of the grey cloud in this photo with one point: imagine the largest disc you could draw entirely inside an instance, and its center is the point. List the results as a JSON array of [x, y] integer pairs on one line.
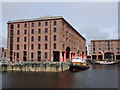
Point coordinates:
[[92, 32], [115, 34], [4, 42]]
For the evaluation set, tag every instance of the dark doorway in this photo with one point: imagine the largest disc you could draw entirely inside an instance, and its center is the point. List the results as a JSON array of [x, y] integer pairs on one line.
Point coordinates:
[[56, 55], [109, 56], [39, 55], [88, 57], [24, 55], [117, 57], [24, 58], [67, 52], [94, 57], [99, 57]]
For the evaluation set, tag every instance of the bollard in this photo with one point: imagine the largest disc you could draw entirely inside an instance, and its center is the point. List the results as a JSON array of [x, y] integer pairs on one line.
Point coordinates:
[[57, 66], [61, 66]]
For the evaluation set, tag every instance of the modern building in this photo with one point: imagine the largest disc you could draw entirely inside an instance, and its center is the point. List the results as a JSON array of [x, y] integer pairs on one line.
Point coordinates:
[[89, 52], [44, 39], [105, 49]]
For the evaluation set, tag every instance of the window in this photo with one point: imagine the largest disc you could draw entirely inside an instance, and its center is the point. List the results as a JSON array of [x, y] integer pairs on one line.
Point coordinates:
[[32, 24], [11, 46], [39, 30], [93, 49], [32, 55], [108, 45], [17, 55], [55, 29], [25, 53], [25, 25], [45, 46], [39, 38], [82, 52], [99, 48], [46, 30], [105, 48], [32, 46], [38, 46], [118, 52], [25, 46], [39, 23], [25, 31], [46, 23], [11, 39], [17, 47], [93, 52], [55, 23], [18, 31], [18, 39], [54, 37], [18, 26], [25, 39], [4, 54], [11, 32], [11, 53], [12, 26], [32, 31], [54, 46], [46, 38], [32, 38], [45, 54]]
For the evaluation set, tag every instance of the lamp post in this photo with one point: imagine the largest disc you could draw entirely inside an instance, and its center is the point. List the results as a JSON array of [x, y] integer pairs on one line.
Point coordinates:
[[102, 53], [14, 53]]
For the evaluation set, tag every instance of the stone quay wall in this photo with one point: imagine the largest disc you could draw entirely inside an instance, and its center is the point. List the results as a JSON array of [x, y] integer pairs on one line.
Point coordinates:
[[35, 67]]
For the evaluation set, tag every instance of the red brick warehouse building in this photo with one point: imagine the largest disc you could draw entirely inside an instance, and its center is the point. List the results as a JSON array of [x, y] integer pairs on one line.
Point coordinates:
[[105, 49], [44, 39]]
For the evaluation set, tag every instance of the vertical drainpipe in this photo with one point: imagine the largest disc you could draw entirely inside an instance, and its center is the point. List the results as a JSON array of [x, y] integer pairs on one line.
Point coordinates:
[[50, 40], [62, 39], [28, 40]]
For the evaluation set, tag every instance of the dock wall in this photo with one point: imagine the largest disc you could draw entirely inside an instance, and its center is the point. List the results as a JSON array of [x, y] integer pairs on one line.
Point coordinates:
[[36, 67]]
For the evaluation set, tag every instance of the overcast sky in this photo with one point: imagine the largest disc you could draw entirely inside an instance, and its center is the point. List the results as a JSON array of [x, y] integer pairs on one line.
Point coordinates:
[[94, 20]]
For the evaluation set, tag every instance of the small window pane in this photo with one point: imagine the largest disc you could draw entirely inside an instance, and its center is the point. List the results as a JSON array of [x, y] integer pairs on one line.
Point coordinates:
[[55, 23], [32, 31]]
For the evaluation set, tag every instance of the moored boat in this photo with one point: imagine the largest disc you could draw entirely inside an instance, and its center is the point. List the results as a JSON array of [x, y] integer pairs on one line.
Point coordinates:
[[78, 64], [105, 62], [108, 63]]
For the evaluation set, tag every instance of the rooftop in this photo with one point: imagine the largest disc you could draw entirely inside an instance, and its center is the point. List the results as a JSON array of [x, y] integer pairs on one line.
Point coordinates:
[[43, 18], [35, 19], [106, 40]]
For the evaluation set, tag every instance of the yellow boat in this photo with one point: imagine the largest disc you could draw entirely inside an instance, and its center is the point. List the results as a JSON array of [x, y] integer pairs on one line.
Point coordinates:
[[78, 64]]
